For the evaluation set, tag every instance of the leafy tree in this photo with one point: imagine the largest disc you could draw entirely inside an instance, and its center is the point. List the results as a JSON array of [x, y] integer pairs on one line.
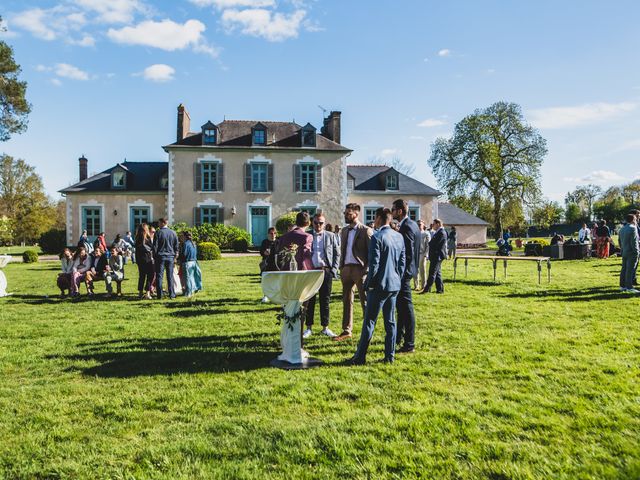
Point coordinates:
[[513, 216], [14, 107], [395, 162], [631, 193], [584, 196], [493, 153], [573, 213], [6, 230], [547, 213], [23, 200], [611, 206]]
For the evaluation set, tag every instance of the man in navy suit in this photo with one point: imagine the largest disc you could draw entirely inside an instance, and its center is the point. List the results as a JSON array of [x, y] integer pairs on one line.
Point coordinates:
[[386, 269], [404, 303], [437, 253]]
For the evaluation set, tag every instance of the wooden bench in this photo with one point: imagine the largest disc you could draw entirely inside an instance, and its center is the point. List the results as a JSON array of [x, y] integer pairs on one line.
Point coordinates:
[[505, 260]]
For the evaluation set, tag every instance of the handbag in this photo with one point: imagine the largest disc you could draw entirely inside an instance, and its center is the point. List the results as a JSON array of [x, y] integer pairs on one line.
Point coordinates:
[[177, 284]]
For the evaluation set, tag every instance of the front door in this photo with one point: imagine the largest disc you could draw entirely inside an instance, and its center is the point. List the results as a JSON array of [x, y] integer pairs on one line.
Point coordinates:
[[259, 224], [138, 216]]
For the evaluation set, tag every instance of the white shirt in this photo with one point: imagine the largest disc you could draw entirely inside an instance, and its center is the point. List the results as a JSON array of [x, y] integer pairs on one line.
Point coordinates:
[[349, 259], [584, 234], [317, 251]]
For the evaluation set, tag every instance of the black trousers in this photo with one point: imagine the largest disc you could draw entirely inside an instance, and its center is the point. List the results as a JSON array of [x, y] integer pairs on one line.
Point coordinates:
[[435, 275], [145, 276], [325, 296], [406, 318]]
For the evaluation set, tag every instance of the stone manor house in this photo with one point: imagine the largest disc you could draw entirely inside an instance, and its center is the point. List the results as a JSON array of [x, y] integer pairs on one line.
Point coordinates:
[[247, 174]]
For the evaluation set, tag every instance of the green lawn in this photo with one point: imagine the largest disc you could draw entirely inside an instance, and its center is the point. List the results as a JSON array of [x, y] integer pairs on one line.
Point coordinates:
[[511, 381], [17, 250]]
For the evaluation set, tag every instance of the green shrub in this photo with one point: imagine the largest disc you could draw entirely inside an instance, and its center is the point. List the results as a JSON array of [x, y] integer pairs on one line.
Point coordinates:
[[53, 241], [208, 251], [542, 241], [30, 256], [222, 235], [285, 221], [236, 234], [240, 245]]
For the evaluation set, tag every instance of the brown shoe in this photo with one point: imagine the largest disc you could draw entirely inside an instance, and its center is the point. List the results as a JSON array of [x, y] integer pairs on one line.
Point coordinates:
[[342, 336]]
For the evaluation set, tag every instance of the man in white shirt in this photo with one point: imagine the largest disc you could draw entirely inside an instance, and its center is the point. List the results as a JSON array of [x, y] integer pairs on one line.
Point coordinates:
[[325, 255], [584, 234]]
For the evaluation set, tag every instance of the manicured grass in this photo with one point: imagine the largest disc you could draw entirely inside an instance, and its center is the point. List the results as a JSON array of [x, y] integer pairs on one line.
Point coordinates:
[[511, 381], [17, 250]]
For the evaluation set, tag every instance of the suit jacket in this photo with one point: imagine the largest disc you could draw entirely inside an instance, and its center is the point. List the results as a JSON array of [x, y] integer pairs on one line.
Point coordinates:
[[411, 234], [331, 254], [425, 238], [304, 241], [361, 243], [387, 260], [628, 238], [438, 246], [165, 243]]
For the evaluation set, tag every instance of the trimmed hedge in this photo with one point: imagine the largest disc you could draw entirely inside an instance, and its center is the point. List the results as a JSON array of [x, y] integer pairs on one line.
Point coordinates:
[[285, 221], [30, 256], [222, 235], [53, 241], [208, 251], [240, 245]]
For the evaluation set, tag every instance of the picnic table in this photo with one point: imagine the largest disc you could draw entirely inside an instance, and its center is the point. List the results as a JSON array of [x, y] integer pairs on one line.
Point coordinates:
[[505, 260]]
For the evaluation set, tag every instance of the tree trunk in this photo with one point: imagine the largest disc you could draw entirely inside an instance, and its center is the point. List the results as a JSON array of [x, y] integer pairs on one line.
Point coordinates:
[[497, 211]]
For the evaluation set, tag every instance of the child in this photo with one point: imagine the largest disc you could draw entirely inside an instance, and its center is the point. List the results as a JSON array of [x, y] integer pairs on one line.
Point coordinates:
[[114, 272], [65, 277]]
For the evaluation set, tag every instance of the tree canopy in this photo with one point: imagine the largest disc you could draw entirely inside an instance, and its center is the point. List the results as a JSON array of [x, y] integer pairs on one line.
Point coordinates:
[[493, 152], [584, 196], [14, 107]]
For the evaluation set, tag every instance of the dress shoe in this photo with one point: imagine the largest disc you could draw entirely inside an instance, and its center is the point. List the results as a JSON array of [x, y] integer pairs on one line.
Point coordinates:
[[406, 349], [387, 360], [342, 336], [354, 361]]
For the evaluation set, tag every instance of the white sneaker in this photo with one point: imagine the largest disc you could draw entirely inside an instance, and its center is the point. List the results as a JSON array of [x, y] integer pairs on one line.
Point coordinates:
[[622, 289], [307, 333], [264, 300], [632, 290], [327, 331]]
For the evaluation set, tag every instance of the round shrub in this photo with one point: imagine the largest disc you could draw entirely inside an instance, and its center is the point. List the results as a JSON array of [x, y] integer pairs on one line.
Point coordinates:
[[285, 221], [240, 245], [53, 241], [208, 251], [30, 256]]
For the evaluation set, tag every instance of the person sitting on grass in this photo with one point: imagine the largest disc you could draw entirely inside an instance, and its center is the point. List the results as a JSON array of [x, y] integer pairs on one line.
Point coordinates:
[[114, 272], [191, 274], [65, 277], [81, 266], [98, 264]]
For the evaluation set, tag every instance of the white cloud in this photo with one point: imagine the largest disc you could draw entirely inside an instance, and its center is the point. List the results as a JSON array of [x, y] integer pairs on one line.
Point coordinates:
[[388, 152], [35, 22], [56, 82], [42, 68], [113, 11], [598, 177], [431, 122], [166, 34], [69, 71], [567, 117], [445, 52], [259, 22], [159, 73], [224, 4], [85, 41]]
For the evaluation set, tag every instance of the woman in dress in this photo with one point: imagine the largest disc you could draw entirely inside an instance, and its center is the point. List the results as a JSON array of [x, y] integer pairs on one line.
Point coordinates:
[[144, 260], [603, 238]]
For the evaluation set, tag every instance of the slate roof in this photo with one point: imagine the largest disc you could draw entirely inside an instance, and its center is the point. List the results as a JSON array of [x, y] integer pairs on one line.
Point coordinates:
[[372, 178], [452, 215], [237, 133], [141, 177]]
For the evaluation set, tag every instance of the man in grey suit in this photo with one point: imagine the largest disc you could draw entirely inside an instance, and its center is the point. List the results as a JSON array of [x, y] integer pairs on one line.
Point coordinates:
[[628, 237], [325, 255], [386, 269]]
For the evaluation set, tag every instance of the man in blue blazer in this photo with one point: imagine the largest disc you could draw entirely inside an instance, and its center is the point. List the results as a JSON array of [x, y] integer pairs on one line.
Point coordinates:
[[404, 303], [437, 253], [386, 269]]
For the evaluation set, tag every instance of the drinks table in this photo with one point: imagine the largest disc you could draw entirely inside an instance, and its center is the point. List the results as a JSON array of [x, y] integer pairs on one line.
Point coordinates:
[[290, 289], [4, 259]]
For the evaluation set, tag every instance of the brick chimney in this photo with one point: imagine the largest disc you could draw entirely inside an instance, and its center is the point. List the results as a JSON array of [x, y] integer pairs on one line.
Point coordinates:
[[184, 122], [83, 166], [331, 127]]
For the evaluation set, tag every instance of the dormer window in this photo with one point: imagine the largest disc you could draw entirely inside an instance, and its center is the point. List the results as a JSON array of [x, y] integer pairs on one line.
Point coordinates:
[[259, 135], [164, 181], [118, 179], [351, 184], [308, 135], [209, 134], [392, 181]]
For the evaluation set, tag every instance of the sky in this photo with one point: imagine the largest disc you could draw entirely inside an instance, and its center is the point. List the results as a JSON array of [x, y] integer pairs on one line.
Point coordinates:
[[105, 76]]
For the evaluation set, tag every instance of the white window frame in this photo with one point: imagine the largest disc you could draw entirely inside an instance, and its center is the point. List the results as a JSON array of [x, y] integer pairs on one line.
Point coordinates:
[[138, 203], [90, 204]]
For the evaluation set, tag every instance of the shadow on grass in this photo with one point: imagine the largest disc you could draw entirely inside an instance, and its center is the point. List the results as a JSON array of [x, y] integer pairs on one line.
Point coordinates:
[[184, 313], [167, 356], [579, 295], [475, 283]]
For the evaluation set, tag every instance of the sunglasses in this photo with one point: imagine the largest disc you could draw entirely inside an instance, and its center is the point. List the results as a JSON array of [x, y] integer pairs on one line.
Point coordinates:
[[318, 223]]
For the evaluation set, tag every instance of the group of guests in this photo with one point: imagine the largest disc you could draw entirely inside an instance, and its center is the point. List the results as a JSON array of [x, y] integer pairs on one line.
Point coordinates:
[[379, 262], [153, 251]]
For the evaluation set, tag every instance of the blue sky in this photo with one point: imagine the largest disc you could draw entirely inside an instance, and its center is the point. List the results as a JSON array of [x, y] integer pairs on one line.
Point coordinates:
[[105, 76]]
